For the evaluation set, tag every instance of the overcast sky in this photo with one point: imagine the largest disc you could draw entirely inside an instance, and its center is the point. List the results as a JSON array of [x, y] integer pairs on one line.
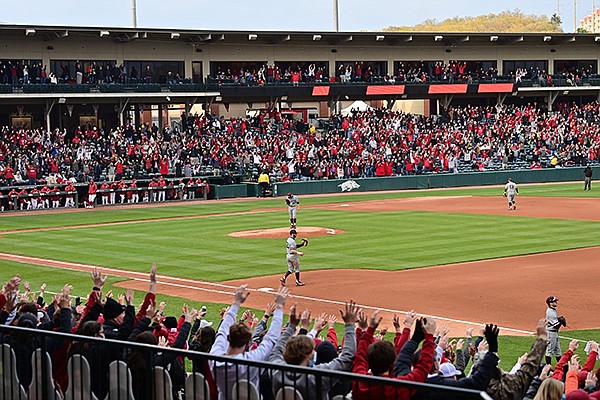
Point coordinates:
[[302, 15]]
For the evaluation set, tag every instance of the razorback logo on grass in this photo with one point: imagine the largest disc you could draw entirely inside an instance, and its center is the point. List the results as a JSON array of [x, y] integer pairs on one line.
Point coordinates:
[[348, 186]]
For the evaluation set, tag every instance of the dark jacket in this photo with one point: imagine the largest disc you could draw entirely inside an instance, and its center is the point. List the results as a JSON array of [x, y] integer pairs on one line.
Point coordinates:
[[24, 345], [479, 380]]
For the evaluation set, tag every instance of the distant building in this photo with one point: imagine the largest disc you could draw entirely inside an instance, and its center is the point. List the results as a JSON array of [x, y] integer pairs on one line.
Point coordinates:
[[591, 23]]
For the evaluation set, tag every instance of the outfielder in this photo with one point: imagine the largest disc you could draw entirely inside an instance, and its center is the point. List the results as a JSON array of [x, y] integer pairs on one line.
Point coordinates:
[[292, 203], [510, 191], [293, 262], [553, 324]]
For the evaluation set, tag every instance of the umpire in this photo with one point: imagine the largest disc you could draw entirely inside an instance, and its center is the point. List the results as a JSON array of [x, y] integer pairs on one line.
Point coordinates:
[[588, 172]]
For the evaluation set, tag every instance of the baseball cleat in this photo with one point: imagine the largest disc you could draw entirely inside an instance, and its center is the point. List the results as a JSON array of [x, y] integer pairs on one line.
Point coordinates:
[[282, 282], [298, 283]]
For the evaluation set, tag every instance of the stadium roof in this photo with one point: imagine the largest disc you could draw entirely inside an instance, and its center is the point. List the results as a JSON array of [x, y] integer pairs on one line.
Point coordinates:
[[122, 34]]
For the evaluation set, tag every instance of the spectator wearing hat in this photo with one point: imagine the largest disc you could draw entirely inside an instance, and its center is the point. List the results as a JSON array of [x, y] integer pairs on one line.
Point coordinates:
[[446, 374], [118, 319]]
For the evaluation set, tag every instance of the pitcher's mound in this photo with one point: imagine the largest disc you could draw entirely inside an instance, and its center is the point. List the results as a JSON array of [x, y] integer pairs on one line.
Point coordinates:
[[278, 233]]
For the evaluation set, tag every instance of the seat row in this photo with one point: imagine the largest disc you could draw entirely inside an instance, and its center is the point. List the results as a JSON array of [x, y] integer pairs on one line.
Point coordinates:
[[42, 386]]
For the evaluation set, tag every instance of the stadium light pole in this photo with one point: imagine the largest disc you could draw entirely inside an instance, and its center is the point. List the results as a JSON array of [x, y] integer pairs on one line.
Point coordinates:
[[133, 14], [575, 16], [336, 21]]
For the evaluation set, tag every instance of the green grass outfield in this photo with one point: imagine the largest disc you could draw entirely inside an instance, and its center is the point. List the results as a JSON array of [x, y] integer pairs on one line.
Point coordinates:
[[199, 248]]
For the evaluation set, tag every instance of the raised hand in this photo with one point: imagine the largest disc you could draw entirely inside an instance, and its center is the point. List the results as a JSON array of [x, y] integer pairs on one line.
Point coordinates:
[[396, 323], [153, 273], [13, 283], [375, 320], [362, 322], [305, 318], [469, 333], [98, 279], [66, 290], [162, 341], [383, 331], [491, 336], [189, 315], [542, 332], [523, 358], [443, 343], [574, 363], [294, 319], [223, 312], [64, 301], [349, 316], [270, 309], [573, 345], [42, 289], [152, 288], [591, 379], [593, 346], [121, 299], [240, 295], [27, 287], [429, 325], [11, 301], [331, 320], [247, 316], [409, 319], [483, 346], [547, 372], [320, 322], [281, 297], [460, 344], [129, 297]]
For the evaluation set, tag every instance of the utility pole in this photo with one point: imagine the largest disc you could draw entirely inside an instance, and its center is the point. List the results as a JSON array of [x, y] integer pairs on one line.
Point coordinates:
[[336, 21], [133, 14]]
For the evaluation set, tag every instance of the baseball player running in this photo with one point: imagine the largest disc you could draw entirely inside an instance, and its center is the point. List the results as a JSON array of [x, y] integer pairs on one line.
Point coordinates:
[[510, 191], [292, 203], [293, 262]]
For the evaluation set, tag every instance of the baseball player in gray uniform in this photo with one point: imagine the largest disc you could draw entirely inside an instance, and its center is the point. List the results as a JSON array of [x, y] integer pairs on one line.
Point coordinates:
[[510, 191], [553, 324], [292, 203], [293, 262]]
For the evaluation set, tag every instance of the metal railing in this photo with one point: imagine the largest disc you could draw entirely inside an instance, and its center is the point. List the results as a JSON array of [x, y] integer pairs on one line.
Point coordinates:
[[107, 371]]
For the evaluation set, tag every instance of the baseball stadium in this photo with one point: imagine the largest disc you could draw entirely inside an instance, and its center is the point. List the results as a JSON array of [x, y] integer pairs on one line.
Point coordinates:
[[460, 213]]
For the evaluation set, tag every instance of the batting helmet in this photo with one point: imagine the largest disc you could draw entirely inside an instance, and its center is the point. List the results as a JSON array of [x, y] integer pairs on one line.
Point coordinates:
[[551, 299], [510, 179], [289, 195], [293, 232]]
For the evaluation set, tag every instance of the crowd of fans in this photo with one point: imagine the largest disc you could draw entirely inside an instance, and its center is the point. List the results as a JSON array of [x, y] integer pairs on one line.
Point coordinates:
[[29, 73], [360, 144], [470, 362], [455, 71]]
